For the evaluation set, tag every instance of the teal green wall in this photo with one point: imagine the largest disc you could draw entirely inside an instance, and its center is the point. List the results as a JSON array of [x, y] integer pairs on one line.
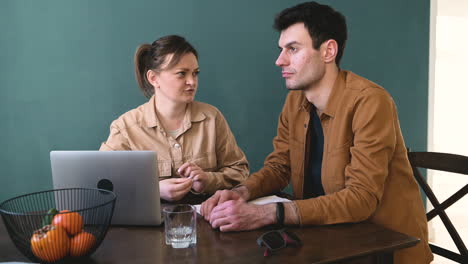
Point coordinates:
[[66, 70]]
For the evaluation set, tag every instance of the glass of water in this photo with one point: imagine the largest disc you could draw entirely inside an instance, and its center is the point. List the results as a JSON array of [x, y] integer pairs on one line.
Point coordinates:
[[180, 224]]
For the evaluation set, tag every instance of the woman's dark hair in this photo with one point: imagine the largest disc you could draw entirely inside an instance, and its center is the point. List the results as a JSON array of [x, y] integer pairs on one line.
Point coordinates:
[[152, 57], [322, 22]]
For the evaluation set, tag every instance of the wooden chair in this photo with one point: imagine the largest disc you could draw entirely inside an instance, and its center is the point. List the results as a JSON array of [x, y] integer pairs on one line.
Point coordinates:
[[450, 163]]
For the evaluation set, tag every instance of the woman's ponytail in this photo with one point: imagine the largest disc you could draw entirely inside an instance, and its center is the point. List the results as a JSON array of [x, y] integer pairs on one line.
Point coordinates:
[[143, 57]]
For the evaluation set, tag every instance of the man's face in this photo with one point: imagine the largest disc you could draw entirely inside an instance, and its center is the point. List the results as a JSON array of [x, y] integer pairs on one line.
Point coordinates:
[[302, 65]]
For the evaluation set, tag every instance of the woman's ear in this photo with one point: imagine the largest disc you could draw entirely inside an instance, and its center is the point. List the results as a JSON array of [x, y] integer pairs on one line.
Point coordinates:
[[329, 50], [152, 78]]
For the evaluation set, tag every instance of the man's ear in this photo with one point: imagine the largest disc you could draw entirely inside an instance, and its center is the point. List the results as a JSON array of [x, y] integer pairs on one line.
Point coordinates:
[[329, 50], [152, 78]]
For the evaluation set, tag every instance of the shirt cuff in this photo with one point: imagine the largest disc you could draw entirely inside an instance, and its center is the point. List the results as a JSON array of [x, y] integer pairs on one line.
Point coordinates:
[[244, 192], [291, 214], [212, 185]]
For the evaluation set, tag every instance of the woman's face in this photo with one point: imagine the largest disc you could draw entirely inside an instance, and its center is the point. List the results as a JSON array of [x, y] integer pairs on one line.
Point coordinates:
[[179, 83]]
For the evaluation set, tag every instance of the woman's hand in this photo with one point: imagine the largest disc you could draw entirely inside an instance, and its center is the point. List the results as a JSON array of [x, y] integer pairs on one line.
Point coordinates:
[[174, 189], [200, 178]]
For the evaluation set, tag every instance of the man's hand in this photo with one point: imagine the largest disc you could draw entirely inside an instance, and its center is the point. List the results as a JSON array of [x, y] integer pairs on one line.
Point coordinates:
[[175, 188], [200, 178], [238, 215], [218, 198]]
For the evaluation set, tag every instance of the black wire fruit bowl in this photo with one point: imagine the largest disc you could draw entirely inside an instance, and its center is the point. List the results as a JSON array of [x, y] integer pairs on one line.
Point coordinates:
[[56, 225]]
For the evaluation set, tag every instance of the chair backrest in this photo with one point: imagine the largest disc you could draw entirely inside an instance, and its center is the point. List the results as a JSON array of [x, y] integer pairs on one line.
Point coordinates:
[[449, 163]]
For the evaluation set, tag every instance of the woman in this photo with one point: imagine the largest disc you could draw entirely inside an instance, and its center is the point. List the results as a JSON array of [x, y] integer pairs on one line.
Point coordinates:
[[196, 149]]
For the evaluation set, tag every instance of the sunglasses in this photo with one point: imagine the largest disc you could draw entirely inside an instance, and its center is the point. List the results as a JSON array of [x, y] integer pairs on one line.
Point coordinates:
[[278, 239]]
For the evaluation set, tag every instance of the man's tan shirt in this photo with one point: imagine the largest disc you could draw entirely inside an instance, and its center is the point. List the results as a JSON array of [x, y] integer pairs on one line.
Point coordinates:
[[366, 174]]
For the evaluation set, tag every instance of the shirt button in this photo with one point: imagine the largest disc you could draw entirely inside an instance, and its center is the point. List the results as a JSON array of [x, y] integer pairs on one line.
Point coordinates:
[[176, 145]]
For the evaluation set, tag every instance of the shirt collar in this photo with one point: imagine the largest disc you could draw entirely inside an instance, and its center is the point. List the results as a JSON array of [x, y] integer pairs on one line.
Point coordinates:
[[305, 104], [335, 96], [193, 111], [333, 100], [150, 119]]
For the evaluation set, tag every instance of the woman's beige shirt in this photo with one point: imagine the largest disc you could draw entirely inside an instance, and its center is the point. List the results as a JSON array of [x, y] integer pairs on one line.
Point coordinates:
[[205, 139]]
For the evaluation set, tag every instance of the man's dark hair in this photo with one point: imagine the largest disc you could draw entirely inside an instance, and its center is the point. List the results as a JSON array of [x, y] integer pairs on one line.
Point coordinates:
[[322, 22]]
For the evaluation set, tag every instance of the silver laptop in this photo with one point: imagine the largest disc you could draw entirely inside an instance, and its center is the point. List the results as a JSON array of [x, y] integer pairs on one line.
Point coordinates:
[[131, 175]]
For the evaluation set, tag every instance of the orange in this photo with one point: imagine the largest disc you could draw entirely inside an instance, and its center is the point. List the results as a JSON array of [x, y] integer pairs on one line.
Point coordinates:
[[50, 243], [81, 244], [72, 222]]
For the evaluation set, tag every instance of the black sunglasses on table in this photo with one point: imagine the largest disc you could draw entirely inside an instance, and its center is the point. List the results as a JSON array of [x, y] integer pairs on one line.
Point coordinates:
[[278, 239]]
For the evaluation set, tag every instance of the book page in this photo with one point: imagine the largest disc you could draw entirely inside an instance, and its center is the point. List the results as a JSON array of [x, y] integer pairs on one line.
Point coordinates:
[[259, 201]]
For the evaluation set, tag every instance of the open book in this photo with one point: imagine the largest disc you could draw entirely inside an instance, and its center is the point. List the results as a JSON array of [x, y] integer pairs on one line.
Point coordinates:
[[260, 201]]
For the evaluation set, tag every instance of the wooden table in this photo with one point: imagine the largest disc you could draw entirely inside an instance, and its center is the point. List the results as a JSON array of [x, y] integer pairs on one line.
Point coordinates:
[[347, 243]]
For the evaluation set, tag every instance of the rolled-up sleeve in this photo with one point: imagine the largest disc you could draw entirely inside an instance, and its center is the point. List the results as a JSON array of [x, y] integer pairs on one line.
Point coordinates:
[[232, 165], [116, 140]]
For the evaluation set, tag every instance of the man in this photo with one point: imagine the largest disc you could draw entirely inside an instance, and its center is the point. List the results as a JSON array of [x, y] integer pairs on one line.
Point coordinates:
[[339, 143]]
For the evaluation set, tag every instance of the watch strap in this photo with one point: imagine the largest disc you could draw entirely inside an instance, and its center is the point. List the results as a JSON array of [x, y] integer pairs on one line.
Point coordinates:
[[280, 214]]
